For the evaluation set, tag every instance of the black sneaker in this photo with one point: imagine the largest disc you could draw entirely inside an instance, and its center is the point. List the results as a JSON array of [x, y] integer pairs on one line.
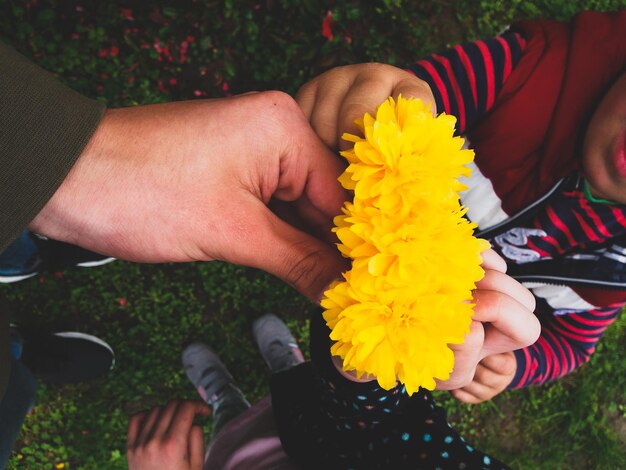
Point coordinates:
[[30, 255], [66, 357], [20, 260]]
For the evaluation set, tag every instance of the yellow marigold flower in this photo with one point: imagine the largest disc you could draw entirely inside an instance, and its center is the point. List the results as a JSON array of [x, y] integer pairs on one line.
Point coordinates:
[[415, 260]]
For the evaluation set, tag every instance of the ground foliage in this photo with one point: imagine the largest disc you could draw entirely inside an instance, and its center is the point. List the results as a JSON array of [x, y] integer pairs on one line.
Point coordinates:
[[127, 53]]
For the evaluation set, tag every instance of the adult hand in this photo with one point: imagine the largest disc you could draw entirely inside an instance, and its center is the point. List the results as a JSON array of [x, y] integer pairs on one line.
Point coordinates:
[[503, 322], [166, 438], [190, 181], [334, 99]]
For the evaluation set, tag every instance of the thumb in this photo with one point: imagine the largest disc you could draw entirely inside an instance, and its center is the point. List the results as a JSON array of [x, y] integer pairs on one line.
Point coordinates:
[[303, 261]]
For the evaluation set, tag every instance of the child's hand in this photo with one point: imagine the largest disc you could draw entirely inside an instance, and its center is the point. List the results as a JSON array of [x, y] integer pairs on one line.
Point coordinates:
[[333, 100], [503, 322], [493, 374], [167, 438]]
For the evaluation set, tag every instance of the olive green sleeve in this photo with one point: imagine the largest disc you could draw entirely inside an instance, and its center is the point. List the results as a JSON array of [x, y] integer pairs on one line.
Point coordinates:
[[5, 363], [44, 126]]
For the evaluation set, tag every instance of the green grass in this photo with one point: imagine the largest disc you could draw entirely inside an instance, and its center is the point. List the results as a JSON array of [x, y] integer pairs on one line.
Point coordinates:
[[234, 47]]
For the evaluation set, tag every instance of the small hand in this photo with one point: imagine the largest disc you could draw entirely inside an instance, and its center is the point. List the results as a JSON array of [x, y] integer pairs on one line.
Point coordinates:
[[333, 100], [503, 322], [493, 374], [166, 438]]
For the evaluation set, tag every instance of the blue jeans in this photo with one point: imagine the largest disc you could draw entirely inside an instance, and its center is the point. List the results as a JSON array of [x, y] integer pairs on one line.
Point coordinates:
[[16, 403]]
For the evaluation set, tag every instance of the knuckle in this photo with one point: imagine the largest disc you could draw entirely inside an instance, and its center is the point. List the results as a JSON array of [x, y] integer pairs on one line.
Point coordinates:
[[487, 301], [277, 101], [170, 447]]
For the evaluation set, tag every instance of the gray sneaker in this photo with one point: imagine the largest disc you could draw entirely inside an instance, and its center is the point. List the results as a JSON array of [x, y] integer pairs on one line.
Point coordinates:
[[214, 383], [206, 371], [276, 343]]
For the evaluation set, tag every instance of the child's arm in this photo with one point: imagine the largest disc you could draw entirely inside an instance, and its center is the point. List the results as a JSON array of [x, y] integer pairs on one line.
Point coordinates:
[[566, 342], [466, 79]]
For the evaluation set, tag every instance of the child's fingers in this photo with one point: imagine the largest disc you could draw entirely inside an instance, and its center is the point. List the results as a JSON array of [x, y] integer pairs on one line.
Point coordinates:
[[196, 448], [497, 281], [492, 260], [488, 382], [509, 325], [320, 100], [466, 356], [182, 421], [364, 96], [306, 97], [149, 425], [165, 419], [503, 364], [473, 393], [134, 426]]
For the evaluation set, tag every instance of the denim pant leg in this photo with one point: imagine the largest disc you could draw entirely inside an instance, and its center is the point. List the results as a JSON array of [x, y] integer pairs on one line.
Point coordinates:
[[16, 403]]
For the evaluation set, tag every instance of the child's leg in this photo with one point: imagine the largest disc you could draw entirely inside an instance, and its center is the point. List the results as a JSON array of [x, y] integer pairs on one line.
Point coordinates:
[[276, 343], [214, 383], [324, 419]]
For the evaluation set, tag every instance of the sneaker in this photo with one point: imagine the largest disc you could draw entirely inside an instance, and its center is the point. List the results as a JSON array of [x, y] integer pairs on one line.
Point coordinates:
[[214, 384], [276, 343], [20, 260], [65, 357], [31, 254], [206, 371]]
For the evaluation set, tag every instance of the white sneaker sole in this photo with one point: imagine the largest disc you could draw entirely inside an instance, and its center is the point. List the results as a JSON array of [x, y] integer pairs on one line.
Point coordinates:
[[86, 337], [9, 279], [92, 264], [86, 264]]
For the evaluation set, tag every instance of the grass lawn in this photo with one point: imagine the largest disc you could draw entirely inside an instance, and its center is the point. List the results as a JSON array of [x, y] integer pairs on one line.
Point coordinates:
[[125, 55]]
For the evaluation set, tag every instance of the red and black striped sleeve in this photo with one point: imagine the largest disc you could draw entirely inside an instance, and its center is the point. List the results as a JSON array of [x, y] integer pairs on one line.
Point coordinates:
[[566, 342], [465, 80]]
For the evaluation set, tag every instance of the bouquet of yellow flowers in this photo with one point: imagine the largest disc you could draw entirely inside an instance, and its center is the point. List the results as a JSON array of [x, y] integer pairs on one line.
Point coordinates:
[[415, 260]]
